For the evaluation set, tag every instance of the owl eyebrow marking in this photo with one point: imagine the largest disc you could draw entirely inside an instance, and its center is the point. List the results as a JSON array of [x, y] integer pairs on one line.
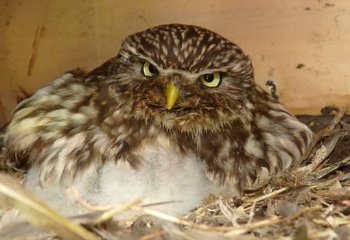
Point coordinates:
[[188, 74], [146, 59]]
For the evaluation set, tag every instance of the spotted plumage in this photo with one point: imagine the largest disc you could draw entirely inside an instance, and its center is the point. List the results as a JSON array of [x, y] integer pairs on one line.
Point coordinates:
[[176, 115]]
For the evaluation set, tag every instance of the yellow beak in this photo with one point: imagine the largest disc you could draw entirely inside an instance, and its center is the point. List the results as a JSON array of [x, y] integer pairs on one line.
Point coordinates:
[[172, 94]]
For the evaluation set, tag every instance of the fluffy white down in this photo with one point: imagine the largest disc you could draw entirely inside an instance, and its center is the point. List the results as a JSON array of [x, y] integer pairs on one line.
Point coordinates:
[[165, 175]]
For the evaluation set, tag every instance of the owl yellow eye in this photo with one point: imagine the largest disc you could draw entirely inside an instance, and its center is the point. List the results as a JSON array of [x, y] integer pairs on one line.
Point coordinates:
[[149, 70], [211, 79]]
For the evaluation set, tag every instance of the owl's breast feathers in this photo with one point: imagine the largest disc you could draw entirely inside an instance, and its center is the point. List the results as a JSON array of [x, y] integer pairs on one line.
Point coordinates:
[[73, 125]]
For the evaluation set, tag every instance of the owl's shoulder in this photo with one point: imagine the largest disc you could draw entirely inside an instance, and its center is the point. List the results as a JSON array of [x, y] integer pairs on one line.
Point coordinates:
[[64, 118]]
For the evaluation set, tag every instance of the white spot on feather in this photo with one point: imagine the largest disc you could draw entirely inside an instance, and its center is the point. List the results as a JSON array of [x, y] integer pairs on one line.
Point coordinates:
[[253, 147]]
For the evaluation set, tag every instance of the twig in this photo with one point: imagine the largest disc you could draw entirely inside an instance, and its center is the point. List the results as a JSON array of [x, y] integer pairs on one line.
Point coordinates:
[[84, 203], [327, 170], [152, 235], [251, 212], [107, 215], [207, 227], [109, 211], [248, 227], [273, 220], [320, 135], [183, 234], [269, 195], [302, 212]]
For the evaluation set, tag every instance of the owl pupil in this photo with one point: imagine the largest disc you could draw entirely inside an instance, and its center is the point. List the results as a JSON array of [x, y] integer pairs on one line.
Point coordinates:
[[208, 77], [153, 69]]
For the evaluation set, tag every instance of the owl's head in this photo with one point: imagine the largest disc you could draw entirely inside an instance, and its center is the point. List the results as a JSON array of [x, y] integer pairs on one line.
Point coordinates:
[[182, 76]]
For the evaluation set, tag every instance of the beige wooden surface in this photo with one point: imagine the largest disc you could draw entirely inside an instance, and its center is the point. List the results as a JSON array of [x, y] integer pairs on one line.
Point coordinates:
[[39, 40]]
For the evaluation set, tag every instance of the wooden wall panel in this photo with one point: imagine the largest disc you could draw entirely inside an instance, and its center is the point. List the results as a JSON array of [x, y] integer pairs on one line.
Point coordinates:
[[39, 40]]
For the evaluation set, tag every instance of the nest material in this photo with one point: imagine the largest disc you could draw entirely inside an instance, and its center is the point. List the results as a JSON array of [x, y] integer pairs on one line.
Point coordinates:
[[311, 201]]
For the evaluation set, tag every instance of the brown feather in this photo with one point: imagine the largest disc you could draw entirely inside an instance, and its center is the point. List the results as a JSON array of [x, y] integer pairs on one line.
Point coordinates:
[[84, 120]]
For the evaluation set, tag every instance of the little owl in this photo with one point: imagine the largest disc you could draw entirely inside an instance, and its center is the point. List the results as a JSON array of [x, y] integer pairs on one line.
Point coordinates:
[[175, 116]]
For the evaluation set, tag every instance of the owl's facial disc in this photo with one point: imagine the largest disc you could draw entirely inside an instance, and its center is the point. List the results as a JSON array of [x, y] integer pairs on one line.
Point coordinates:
[[183, 76]]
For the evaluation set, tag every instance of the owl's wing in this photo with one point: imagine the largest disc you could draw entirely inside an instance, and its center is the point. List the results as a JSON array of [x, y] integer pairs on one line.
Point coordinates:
[[250, 151], [60, 129]]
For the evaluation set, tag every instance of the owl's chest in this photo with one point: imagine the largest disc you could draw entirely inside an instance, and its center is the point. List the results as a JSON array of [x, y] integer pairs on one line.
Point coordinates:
[[163, 175]]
